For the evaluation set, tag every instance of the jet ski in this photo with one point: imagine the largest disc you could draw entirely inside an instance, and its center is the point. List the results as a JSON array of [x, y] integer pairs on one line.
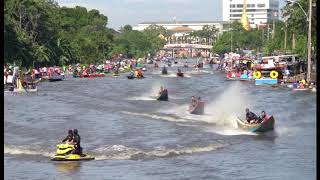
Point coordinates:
[[64, 153]]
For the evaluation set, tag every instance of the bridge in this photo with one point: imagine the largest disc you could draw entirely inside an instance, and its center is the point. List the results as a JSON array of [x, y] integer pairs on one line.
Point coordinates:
[[192, 46]]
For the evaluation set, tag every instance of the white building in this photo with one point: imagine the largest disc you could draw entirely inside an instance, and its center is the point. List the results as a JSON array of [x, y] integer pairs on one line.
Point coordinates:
[[259, 11], [181, 26]]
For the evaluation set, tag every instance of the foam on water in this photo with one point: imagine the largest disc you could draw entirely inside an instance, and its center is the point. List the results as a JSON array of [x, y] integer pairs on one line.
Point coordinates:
[[155, 116], [120, 152], [26, 150]]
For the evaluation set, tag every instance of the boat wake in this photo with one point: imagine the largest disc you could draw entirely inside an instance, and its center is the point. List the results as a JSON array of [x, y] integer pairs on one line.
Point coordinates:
[[27, 150], [120, 152], [142, 98], [164, 117], [169, 75]]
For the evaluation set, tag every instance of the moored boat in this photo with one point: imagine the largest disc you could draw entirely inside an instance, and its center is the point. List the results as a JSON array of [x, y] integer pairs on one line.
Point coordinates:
[[23, 90], [231, 79], [115, 74], [264, 126], [92, 75], [197, 109], [56, 78], [301, 89]]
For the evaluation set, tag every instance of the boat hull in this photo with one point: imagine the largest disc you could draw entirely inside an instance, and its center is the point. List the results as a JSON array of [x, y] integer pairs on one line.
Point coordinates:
[[163, 97], [265, 81], [267, 125], [72, 157], [24, 90], [180, 74]]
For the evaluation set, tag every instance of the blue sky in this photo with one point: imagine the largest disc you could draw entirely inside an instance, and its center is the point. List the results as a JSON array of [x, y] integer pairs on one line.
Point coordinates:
[[122, 12]]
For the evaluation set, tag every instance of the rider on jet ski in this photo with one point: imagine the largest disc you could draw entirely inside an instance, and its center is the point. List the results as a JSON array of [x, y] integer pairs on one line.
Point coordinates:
[[74, 138], [69, 138]]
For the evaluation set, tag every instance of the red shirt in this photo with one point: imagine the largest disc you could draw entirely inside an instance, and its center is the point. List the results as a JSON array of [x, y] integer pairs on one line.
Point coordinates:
[[229, 75]]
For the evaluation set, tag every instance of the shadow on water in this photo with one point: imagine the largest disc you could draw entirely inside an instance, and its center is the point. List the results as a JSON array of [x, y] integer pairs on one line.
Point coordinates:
[[68, 167]]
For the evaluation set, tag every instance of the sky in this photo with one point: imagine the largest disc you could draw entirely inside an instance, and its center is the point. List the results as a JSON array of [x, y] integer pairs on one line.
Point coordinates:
[[132, 12]]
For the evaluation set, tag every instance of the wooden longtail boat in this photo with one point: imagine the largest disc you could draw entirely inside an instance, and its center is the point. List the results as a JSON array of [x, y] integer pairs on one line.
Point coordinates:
[[264, 126]]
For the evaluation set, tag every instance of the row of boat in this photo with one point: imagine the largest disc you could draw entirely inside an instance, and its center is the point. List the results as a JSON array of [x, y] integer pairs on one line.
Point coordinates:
[[198, 109]]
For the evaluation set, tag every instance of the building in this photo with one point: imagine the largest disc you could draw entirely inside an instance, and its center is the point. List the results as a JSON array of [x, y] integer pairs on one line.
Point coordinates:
[[259, 12], [180, 27]]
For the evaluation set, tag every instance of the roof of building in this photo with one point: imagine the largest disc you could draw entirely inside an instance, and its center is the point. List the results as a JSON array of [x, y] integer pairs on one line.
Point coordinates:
[[181, 22], [181, 29]]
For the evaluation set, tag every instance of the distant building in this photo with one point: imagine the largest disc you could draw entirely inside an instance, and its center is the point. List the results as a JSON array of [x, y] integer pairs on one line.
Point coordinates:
[[181, 27], [180, 30], [259, 12]]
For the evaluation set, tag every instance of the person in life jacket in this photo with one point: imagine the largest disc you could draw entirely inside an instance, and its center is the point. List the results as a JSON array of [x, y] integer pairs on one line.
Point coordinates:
[[238, 74], [161, 90], [303, 81], [138, 73], [27, 80], [69, 139], [229, 75], [301, 85]]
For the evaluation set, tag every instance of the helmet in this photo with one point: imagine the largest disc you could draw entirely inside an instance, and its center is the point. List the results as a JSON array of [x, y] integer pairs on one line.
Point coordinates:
[[70, 132]]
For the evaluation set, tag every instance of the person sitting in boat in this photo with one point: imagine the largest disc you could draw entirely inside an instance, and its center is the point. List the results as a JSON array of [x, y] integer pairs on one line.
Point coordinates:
[[244, 75], [139, 73], [303, 81], [238, 74], [70, 138], [193, 101], [186, 64], [179, 70], [57, 71], [136, 73], [261, 118], [75, 72], [131, 74], [27, 80], [229, 75], [250, 116], [295, 84], [161, 89], [116, 71], [301, 85]]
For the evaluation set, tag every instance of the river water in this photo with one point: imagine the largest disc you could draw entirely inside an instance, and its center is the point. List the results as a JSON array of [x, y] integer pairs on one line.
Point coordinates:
[[133, 136]]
